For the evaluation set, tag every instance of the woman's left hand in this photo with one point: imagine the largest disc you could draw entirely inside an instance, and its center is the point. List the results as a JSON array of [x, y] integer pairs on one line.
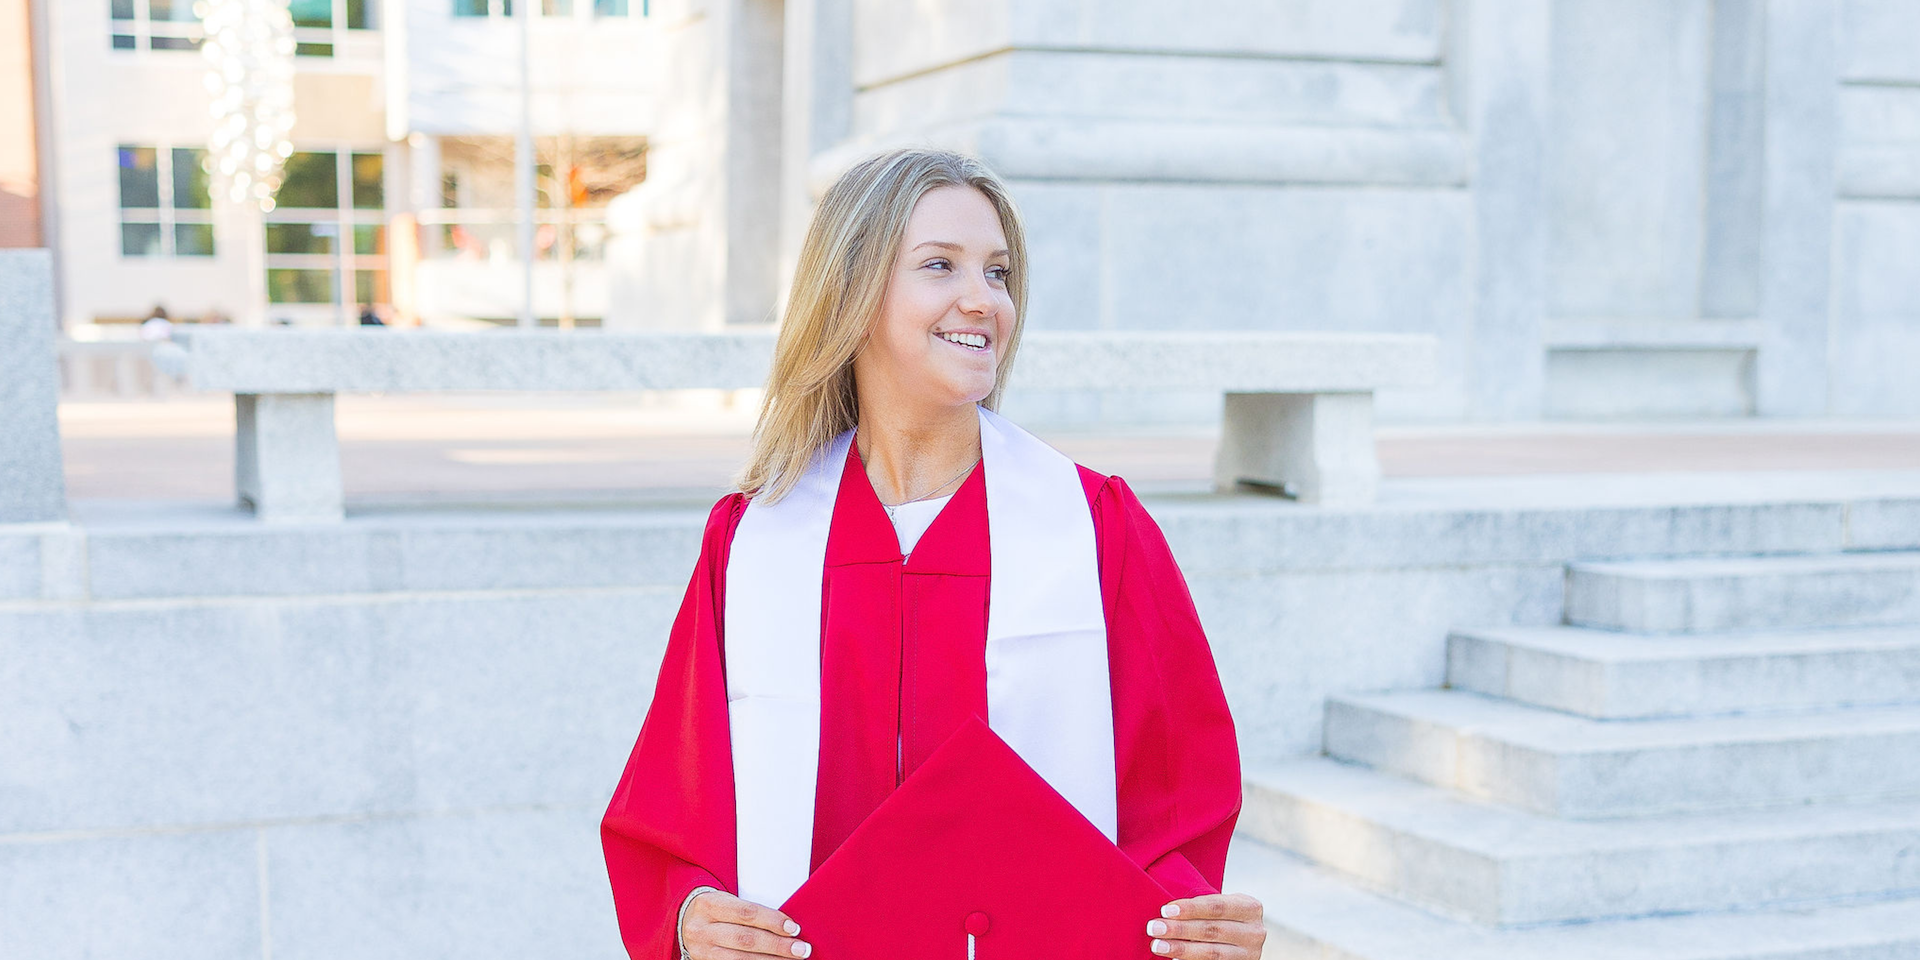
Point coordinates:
[[1218, 926]]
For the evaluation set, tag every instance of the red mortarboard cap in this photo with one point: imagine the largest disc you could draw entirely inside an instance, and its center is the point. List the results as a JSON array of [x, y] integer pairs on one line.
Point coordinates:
[[975, 842]]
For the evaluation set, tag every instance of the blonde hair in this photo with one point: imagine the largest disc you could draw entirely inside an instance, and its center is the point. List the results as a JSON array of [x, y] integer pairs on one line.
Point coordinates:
[[838, 286]]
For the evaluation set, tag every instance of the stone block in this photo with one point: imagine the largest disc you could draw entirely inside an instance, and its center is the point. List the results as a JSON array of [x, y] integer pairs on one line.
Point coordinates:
[[286, 457], [395, 553], [1884, 524], [1311, 911], [1575, 767], [1649, 383], [1607, 675], [1876, 40], [1271, 637], [1746, 593], [1496, 865], [137, 715], [166, 896], [32, 484], [1317, 448], [507, 883]]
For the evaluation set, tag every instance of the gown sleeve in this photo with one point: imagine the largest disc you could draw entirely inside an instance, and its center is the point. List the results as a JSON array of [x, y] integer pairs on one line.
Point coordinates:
[[670, 826], [1178, 762]]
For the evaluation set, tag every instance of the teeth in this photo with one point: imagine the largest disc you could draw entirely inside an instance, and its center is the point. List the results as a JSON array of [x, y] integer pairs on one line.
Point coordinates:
[[965, 339]]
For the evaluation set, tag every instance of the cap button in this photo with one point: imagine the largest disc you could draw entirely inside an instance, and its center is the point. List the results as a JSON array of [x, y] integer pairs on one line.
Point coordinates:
[[977, 924]]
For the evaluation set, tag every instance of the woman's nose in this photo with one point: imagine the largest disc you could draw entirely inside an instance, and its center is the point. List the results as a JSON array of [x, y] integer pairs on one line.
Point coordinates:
[[976, 296]]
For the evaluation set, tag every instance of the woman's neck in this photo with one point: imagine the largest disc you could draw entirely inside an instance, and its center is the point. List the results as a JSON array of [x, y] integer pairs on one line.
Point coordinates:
[[913, 456]]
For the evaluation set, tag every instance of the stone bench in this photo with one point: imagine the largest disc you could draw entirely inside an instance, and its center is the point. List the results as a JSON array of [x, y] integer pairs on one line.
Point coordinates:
[[1298, 416]]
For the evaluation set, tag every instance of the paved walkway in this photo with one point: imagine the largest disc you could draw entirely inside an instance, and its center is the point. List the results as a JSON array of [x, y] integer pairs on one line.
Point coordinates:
[[611, 447]]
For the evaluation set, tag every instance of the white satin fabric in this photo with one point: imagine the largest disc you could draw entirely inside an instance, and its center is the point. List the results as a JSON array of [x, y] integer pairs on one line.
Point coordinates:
[[1048, 694]]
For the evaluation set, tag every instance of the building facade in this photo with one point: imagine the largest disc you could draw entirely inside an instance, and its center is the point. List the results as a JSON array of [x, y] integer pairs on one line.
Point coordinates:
[[399, 196]]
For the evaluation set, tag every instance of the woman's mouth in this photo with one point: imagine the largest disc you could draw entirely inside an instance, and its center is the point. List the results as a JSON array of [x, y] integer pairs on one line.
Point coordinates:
[[974, 342]]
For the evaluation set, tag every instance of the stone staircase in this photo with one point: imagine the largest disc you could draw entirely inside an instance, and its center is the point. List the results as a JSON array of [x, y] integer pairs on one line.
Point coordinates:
[[1714, 759]]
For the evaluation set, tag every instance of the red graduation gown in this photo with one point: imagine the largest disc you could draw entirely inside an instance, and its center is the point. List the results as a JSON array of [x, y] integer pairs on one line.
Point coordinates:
[[903, 664]]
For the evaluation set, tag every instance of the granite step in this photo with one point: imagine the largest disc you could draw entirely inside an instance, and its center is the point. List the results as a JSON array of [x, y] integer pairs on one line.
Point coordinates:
[[1570, 766], [1608, 675], [1314, 913], [1746, 593], [1492, 864]]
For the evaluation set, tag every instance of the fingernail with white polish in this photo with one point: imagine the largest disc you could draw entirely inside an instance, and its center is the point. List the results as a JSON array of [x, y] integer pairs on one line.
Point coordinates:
[[1170, 910], [1160, 946], [1156, 927], [793, 929], [802, 949]]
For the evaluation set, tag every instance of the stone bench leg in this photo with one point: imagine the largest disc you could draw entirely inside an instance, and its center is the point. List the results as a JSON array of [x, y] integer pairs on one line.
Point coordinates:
[[286, 463], [1315, 447]]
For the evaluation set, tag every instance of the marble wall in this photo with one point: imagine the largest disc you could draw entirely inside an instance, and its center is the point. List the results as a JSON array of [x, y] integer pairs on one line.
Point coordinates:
[[1603, 208]]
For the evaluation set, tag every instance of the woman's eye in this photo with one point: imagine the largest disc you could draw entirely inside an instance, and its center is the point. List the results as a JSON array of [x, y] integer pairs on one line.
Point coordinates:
[[999, 273], [939, 264]]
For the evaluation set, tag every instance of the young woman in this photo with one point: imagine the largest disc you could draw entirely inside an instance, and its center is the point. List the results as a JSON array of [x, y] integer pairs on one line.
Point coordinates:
[[900, 559]]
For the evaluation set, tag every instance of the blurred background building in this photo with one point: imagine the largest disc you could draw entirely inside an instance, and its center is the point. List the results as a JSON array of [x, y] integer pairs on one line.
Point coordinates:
[[400, 193]]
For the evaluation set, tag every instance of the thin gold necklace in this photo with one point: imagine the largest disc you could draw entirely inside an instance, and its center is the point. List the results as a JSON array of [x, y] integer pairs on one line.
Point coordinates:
[[963, 472]]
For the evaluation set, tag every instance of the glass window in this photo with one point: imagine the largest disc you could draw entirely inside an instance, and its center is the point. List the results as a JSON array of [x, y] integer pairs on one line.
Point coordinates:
[[121, 42], [470, 8], [140, 240], [556, 8], [301, 237], [369, 239], [311, 13], [611, 8], [311, 182], [370, 286], [360, 14], [180, 11], [191, 189], [313, 50], [369, 192], [299, 286], [177, 43], [193, 239], [139, 177], [122, 9]]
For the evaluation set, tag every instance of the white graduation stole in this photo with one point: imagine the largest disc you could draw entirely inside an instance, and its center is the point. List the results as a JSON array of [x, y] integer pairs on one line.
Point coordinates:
[[1048, 694]]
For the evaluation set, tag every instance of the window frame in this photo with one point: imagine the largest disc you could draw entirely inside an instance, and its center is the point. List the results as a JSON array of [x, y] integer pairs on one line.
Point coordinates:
[[344, 262], [141, 29], [167, 213]]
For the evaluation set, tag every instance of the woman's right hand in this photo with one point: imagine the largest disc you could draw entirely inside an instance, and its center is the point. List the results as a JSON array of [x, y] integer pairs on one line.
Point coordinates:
[[721, 926]]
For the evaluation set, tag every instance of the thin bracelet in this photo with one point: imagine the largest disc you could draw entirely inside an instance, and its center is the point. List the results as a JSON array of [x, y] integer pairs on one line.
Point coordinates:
[[681, 922]]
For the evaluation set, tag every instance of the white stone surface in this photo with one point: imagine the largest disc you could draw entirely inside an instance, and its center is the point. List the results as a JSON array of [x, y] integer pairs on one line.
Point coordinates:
[[187, 894], [1607, 675], [1317, 448], [1566, 766], [286, 463], [1498, 865], [32, 487], [1746, 593], [508, 883], [143, 715], [1311, 912]]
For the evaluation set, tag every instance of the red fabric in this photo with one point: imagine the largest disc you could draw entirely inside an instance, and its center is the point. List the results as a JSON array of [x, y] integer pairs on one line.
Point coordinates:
[[942, 858], [903, 668]]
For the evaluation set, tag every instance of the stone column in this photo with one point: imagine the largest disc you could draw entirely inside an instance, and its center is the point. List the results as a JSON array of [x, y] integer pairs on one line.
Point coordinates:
[[32, 480], [1279, 166], [818, 111], [1797, 190], [286, 463], [1500, 82], [697, 245]]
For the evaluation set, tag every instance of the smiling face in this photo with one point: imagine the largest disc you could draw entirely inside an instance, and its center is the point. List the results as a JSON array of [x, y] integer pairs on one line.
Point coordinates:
[[947, 311]]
